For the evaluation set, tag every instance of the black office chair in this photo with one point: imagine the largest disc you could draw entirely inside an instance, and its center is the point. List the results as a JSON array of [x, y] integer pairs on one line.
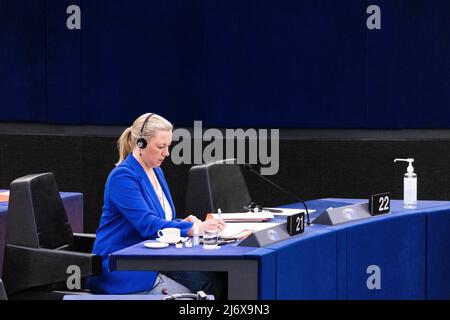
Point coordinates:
[[216, 185], [40, 245], [2, 291]]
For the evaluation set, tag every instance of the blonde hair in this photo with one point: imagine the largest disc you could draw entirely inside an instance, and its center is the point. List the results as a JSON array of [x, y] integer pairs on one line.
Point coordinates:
[[129, 136]]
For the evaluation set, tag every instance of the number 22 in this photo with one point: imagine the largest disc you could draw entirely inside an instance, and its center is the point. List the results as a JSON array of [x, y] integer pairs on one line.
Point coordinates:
[[384, 203]]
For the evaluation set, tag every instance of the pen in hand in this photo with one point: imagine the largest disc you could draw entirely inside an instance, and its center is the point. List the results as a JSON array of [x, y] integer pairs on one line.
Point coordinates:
[[219, 216]]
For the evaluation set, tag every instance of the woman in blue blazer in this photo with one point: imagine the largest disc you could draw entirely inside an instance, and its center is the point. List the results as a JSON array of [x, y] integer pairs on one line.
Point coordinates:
[[137, 203]]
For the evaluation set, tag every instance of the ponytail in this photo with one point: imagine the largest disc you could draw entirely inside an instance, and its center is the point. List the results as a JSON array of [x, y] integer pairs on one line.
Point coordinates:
[[124, 145]]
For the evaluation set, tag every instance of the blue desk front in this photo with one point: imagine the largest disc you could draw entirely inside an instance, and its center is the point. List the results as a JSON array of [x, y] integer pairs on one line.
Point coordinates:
[[251, 271], [408, 250], [401, 255], [438, 253]]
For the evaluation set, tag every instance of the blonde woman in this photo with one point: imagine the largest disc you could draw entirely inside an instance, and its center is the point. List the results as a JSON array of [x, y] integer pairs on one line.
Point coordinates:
[[137, 203]]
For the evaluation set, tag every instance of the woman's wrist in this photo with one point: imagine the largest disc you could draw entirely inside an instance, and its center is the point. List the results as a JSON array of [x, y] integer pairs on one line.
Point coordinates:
[[192, 229]]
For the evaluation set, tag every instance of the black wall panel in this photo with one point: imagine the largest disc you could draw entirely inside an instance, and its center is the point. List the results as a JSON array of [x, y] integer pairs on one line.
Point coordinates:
[[26, 154], [98, 158], [309, 168]]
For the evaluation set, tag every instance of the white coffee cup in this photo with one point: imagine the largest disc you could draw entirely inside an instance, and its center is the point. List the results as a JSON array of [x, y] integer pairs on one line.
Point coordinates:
[[169, 234]]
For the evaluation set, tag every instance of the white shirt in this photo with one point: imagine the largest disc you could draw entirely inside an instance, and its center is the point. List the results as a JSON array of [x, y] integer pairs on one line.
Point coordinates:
[[162, 198]]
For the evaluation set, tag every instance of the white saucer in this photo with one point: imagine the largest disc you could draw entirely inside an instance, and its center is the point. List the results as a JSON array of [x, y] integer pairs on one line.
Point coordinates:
[[212, 248], [182, 239], [156, 245]]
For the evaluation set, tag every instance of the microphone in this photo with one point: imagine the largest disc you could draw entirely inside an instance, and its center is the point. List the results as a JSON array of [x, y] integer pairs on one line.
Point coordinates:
[[250, 168]]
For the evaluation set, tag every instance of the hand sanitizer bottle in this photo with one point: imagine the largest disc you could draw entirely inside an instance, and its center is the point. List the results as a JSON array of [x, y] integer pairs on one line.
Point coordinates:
[[409, 186]]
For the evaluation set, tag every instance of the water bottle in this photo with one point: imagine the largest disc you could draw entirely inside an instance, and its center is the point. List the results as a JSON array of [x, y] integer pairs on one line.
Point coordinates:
[[196, 240]]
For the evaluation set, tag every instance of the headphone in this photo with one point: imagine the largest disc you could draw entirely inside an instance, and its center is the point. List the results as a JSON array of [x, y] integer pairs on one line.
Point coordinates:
[[200, 295], [141, 142], [253, 207]]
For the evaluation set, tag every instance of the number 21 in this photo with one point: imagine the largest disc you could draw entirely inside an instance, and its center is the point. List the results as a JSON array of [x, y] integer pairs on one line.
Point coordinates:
[[298, 221]]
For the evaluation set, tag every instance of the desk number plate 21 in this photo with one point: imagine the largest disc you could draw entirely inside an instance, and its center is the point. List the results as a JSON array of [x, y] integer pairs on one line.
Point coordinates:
[[296, 223]]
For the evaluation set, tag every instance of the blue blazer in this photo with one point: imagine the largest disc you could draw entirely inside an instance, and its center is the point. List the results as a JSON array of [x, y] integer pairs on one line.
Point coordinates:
[[131, 214]]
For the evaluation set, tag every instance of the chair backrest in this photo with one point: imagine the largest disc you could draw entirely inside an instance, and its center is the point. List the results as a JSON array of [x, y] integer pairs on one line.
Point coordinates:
[[36, 214], [216, 185], [2, 291]]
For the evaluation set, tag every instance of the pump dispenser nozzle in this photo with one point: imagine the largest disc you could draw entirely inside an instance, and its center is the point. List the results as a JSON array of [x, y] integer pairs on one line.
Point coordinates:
[[410, 161]]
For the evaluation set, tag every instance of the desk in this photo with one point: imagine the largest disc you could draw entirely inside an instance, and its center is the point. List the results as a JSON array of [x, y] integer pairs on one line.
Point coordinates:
[[246, 267], [438, 253], [327, 262], [73, 203]]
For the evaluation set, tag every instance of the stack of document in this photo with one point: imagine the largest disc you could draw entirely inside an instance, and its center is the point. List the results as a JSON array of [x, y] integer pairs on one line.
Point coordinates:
[[243, 216], [242, 230]]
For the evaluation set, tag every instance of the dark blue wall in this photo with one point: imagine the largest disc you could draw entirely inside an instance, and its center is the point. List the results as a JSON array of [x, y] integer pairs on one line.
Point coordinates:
[[274, 63], [23, 89]]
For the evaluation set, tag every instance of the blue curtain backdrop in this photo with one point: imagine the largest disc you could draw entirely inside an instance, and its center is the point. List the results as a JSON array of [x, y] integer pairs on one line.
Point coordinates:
[[235, 63]]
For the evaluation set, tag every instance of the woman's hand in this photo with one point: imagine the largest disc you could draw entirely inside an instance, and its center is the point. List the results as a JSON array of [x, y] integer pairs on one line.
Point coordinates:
[[191, 218], [210, 223]]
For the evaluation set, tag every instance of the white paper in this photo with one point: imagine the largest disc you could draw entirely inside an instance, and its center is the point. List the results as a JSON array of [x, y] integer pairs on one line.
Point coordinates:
[[233, 229], [244, 216]]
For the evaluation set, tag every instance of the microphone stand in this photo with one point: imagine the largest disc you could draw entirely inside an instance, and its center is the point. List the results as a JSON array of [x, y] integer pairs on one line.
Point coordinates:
[[250, 168]]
